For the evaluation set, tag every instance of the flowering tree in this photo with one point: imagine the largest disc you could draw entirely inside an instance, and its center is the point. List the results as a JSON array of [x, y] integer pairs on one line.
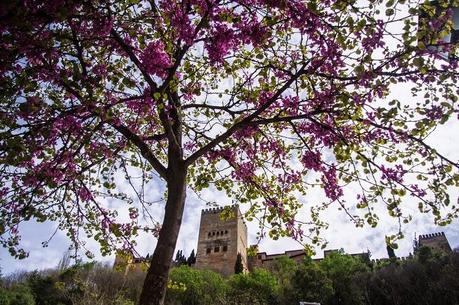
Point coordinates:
[[263, 99]]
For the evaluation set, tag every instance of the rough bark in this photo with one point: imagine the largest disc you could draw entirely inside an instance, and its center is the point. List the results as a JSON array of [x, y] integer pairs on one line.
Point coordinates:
[[154, 287]]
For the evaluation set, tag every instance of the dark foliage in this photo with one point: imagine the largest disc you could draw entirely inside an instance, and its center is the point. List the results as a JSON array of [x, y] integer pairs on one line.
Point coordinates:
[[238, 267], [180, 258], [191, 260]]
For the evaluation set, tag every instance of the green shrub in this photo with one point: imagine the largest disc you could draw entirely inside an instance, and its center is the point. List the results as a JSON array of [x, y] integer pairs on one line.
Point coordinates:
[[21, 295], [189, 286]]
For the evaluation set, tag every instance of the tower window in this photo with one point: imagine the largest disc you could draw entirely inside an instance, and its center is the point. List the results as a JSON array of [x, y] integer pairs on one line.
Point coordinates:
[[226, 231], [225, 248], [218, 233], [209, 234], [217, 249], [208, 250]]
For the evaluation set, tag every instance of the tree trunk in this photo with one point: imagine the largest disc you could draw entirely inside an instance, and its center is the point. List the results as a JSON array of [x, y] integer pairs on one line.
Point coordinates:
[[154, 287]]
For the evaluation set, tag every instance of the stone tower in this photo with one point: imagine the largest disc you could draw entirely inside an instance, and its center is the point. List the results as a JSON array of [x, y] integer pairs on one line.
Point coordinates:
[[221, 239], [437, 241]]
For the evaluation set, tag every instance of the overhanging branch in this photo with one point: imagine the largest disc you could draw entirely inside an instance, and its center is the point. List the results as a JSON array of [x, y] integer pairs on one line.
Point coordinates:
[[144, 149], [244, 122]]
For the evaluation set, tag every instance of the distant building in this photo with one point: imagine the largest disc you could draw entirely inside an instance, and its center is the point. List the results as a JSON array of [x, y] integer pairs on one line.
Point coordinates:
[[125, 261], [436, 241], [222, 236], [263, 260]]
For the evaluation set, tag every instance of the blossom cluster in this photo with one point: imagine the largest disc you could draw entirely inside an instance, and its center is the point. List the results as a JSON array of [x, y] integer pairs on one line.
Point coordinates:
[[155, 59]]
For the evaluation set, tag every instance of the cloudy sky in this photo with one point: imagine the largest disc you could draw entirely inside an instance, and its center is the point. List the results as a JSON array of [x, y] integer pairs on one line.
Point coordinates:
[[341, 233]]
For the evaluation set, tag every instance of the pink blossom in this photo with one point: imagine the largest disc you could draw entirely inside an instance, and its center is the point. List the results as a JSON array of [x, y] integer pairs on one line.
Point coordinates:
[[246, 132], [330, 184], [105, 223], [99, 70], [3, 192], [190, 146], [66, 124], [155, 59], [417, 191], [133, 213], [374, 38], [156, 229], [179, 20], [220, 43], [434, 113], [273, 147], [290, 104], [393, 174], [244, 172], [289, 178], [253, 32], [84, 194], [226, 153], [312, 160]]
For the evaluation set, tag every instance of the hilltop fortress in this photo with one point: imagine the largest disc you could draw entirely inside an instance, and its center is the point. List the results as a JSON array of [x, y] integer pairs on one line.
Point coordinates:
[[223, 235]]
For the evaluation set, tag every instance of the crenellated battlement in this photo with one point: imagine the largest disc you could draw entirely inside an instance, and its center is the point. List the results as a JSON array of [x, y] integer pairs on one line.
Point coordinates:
[[432, 235], [218, 209]]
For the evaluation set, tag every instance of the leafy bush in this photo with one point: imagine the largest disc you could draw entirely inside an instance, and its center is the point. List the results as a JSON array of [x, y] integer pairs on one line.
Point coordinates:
[[21, 295], [195, 287], [257, 287], [310, 283]]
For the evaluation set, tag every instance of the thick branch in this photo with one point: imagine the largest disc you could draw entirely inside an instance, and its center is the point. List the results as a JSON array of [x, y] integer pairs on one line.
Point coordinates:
[[144, 149]]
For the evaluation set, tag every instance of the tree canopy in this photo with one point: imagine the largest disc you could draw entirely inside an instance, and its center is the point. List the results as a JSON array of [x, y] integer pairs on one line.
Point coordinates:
[[265, 100]]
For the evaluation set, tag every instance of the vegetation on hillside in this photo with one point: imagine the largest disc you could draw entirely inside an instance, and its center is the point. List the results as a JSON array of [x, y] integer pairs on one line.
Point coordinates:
[[427, 278]]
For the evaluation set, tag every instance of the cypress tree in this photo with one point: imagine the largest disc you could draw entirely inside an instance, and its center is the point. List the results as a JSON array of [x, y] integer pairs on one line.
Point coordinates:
[[191, 259], [238, 267]]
